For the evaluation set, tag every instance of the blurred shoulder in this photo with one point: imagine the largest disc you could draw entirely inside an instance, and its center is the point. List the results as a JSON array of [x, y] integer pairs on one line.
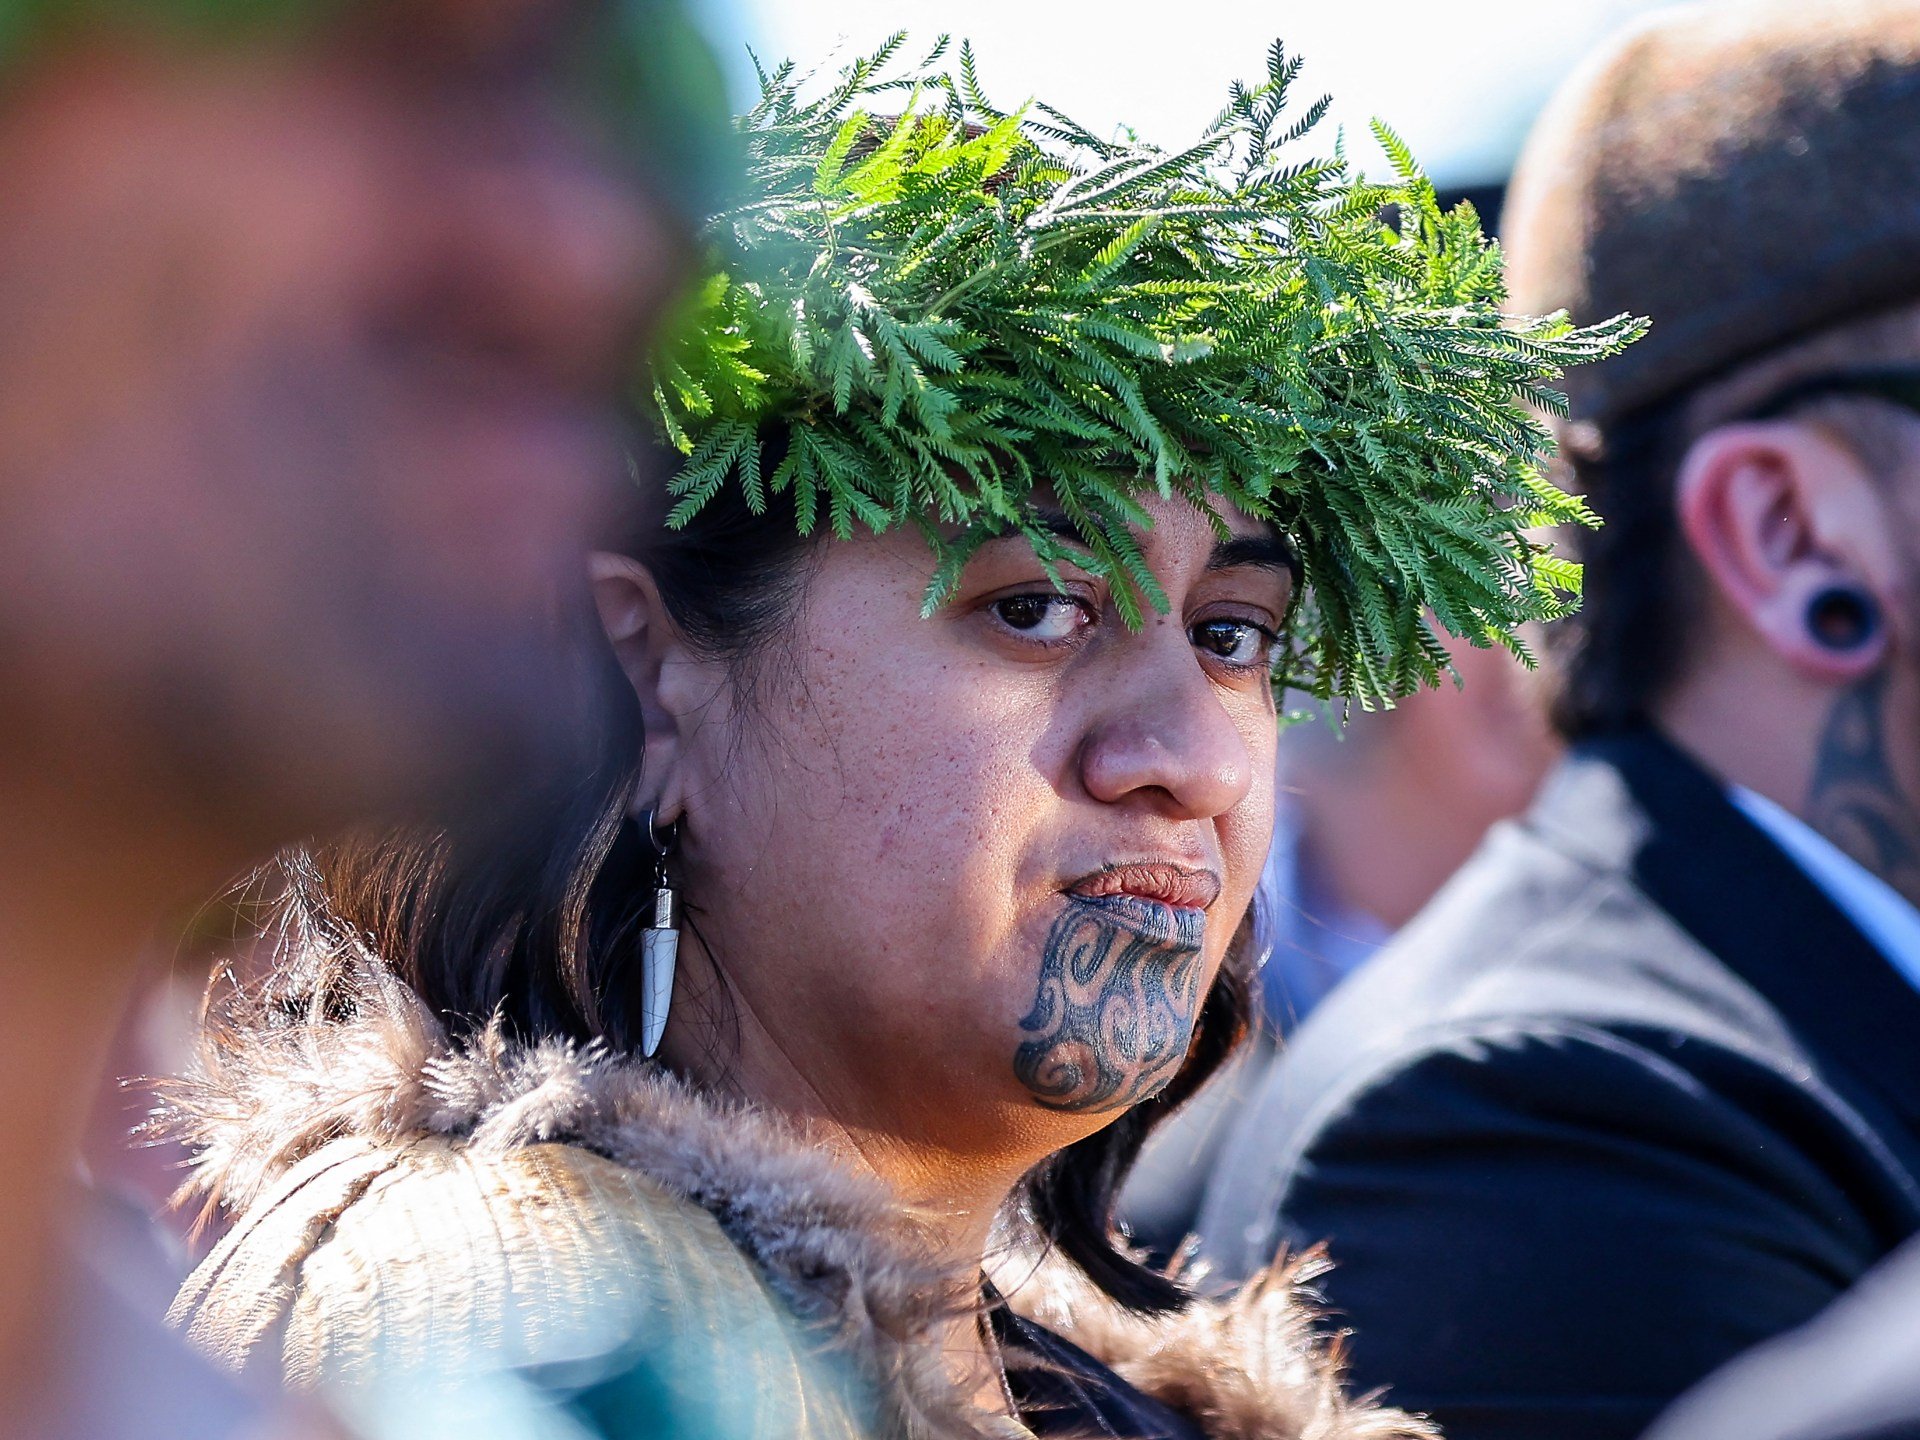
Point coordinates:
[[1528, 939], [368, 1258], [409, 1205], [1852, 1373]]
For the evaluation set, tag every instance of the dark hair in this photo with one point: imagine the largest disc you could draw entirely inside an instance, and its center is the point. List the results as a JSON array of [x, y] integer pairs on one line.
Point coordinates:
[[536, 918], [1617, 655]]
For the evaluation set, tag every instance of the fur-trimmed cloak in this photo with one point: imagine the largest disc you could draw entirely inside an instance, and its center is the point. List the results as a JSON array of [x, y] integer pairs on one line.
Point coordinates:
[[403, 1203]]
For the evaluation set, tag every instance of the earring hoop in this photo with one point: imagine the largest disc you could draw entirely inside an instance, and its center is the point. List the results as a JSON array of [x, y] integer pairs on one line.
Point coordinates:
[[663, 845]]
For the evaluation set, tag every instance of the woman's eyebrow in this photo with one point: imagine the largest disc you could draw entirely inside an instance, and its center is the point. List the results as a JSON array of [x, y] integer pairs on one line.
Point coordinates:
[[1269, 551], [1056, 523]]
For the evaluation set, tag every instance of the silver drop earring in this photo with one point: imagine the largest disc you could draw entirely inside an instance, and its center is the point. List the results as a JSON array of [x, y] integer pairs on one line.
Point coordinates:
[[659, 942]]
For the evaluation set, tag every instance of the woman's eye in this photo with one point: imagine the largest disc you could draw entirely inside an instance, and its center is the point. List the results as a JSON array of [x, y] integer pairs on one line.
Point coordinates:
[[1238, 642], [1042, 617]]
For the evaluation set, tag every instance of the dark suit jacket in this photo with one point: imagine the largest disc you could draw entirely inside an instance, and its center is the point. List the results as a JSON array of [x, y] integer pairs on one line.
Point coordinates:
[[1852, 1374], [1631, 1096]]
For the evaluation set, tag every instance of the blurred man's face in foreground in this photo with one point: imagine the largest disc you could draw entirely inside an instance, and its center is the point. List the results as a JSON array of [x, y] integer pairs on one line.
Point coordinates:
[[308, 360]]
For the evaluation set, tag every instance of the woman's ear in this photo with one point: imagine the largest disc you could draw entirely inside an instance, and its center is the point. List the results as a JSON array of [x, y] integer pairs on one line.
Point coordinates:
[[648, 647], [1781, 515]]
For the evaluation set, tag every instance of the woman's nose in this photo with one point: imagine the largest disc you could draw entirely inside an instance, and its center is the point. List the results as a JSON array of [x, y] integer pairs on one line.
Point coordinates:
[[1170, 745]]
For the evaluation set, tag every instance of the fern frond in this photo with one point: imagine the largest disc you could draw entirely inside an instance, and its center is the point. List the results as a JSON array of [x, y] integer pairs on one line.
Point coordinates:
[[936, 307]]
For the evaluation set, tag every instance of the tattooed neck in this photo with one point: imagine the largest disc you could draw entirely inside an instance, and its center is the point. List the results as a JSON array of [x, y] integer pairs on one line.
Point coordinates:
[[1114, 1012], [1854, 799]]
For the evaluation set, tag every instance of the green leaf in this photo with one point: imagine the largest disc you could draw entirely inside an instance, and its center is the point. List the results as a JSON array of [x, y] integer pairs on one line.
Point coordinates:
[[939, 310]]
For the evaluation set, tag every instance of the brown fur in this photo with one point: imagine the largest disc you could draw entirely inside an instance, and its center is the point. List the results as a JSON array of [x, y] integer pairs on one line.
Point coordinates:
[[834, 1244]]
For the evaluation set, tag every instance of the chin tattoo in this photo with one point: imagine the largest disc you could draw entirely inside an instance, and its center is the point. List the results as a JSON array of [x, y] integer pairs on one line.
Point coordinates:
[[1114, 1011]]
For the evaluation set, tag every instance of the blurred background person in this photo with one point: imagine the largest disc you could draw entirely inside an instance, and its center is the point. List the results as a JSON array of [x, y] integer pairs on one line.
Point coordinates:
[[315, 323], [1639, 1089], [1374, 816]]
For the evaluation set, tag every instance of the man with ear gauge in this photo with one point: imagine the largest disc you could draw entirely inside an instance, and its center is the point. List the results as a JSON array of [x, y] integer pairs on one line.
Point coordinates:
[[1640, 1088]]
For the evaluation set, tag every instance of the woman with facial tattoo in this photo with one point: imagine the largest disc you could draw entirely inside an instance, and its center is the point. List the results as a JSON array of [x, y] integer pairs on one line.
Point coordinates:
[[775, 1074]]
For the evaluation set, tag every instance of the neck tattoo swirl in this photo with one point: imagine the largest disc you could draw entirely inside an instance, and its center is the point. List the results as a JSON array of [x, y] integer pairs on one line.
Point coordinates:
[[1114, 1011], [1855, 799]]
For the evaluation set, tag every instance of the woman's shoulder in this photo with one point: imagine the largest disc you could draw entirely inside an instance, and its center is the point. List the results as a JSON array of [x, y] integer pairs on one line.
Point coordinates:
[[376, 1258], [405, 1203]]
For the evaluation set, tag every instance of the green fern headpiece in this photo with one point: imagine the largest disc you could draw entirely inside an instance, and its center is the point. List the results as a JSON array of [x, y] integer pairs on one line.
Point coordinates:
[[928, 308]]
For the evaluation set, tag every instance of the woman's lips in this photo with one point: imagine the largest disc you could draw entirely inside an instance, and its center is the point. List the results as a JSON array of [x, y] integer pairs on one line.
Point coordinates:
[[1163, 883]]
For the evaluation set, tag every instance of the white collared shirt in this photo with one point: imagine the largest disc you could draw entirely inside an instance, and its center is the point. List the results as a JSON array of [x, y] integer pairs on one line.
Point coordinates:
[[1880, 912]]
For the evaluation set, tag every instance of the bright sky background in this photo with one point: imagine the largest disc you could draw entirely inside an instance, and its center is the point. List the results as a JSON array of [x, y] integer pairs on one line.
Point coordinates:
[[1460, 79]]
